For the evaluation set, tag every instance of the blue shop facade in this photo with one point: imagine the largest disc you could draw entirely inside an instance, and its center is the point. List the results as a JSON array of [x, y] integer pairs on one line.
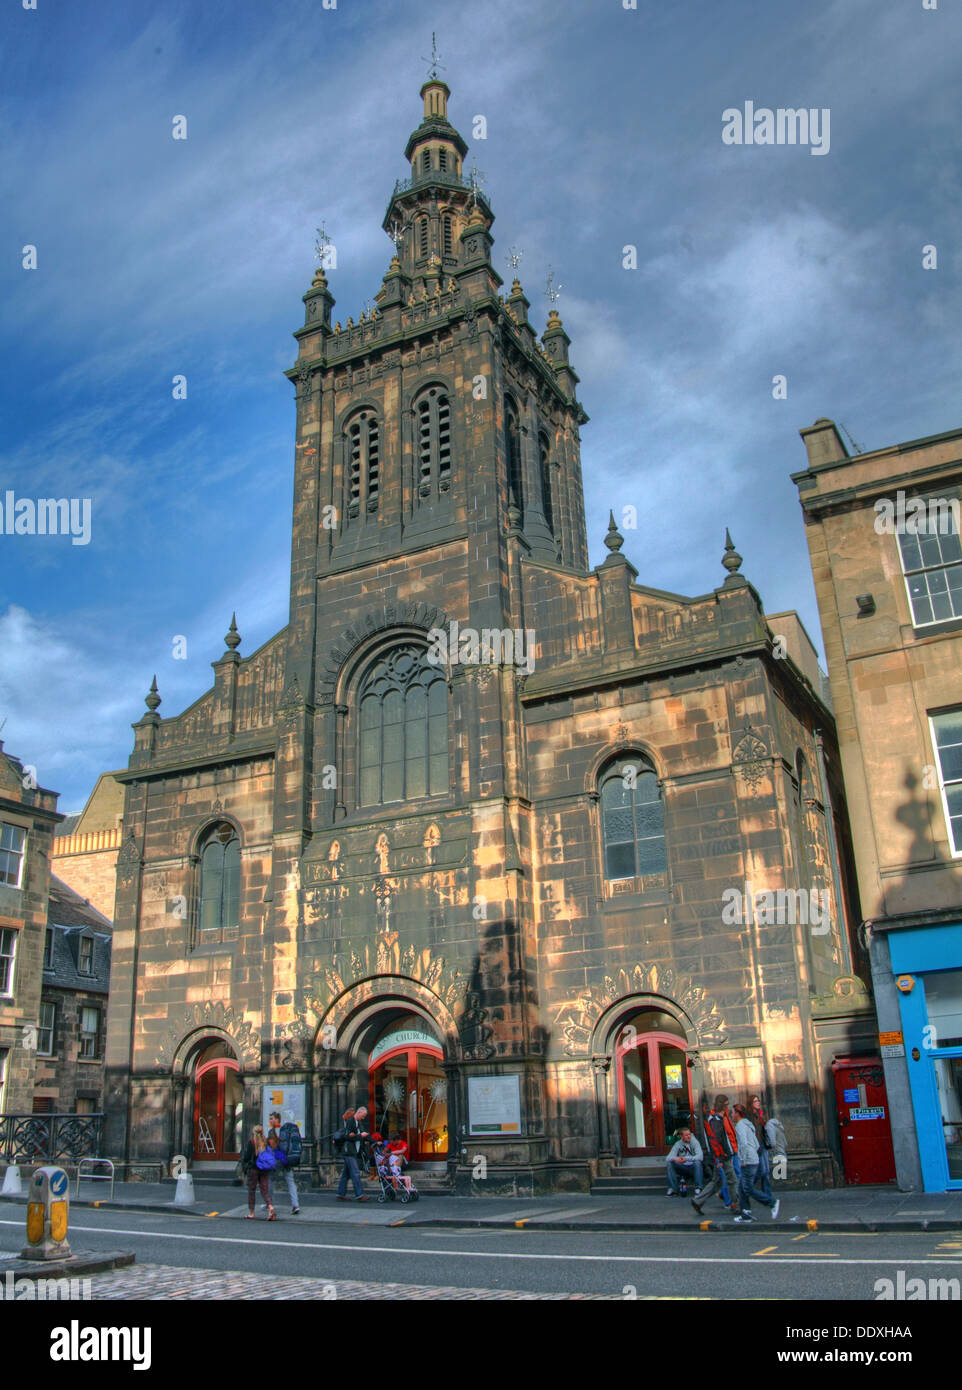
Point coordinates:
[[927, 972]]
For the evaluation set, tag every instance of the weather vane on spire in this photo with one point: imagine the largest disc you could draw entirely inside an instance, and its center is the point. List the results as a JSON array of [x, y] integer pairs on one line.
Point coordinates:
[[397, 234], [433, 60], [322, 242], [477, 179], [514, 258], [552, 291]]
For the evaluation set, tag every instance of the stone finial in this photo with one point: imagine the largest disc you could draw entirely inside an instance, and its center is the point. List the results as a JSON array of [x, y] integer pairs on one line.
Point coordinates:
[[554, 319], [320, 280], [152, 699], [516, 286], [614, 539], [731, 558], [232, 640]]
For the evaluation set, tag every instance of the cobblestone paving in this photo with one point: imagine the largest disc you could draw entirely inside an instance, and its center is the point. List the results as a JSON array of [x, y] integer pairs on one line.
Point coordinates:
[[145, 1281]]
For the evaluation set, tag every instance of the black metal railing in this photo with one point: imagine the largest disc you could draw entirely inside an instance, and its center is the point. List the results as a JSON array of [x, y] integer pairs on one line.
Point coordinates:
[[44, 1138]]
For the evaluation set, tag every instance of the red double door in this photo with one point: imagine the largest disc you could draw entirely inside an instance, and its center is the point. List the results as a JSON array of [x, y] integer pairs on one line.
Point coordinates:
[[218, 1109], [654, 1091], [408, 1095]]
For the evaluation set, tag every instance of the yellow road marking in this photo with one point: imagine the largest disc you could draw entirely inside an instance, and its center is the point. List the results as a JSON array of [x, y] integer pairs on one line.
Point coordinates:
[[803, 1236], [767, 1251], [212, 1213]]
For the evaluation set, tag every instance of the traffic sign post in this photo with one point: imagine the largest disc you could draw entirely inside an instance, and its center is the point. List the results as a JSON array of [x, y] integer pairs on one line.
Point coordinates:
[[48, 1211]]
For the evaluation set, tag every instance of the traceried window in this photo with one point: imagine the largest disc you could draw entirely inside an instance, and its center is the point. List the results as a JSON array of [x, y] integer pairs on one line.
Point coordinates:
[[11, 853], [513, 431], [947, 738], [219, 906], [544, 458], [633, 823], [932, 562], [433, 416], [363, 463], [403, 725]]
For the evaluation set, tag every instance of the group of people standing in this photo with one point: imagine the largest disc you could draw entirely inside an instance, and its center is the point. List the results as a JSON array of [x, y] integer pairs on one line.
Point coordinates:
[[736, 1148], [266, 1155]]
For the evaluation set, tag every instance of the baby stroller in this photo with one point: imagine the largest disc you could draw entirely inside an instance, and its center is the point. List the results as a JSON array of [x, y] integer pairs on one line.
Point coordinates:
[[392, 1189]]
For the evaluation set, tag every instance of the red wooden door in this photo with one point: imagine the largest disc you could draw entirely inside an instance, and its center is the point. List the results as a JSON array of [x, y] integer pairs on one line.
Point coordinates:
[[864, 1126]]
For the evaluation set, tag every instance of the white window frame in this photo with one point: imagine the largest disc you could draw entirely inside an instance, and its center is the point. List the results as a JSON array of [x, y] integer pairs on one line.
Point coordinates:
[[4, 1056], [15, 825], [91, 1056], [81, 968], [12, 957], [955, 853], [42, 1028], [926, 569]]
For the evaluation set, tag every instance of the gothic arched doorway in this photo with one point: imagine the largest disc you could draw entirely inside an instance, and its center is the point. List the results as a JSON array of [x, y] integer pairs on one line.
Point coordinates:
[[218, 1103], [654, 1081], [408, 1087]]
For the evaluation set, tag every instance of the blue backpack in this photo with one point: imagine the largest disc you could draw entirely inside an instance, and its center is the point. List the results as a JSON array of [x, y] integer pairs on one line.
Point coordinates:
[[266, 1161], [291, 1143]]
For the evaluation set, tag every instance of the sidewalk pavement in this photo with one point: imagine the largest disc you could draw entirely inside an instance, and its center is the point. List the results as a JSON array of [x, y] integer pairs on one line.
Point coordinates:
[[837, 1209]]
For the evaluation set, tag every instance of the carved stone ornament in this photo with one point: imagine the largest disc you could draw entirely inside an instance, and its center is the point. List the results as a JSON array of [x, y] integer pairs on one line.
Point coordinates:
[[578, 1016], [751, 759], [210, 1015]]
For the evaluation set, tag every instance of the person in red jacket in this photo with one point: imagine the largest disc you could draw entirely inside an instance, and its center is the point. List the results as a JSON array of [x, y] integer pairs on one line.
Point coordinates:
[[718, 1146]]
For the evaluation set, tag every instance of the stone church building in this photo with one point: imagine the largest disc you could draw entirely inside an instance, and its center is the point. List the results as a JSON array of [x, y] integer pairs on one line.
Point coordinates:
[[483, 836]]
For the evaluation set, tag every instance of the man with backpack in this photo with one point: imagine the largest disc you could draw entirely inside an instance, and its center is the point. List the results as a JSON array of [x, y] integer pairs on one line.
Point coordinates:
[[289, 1145]]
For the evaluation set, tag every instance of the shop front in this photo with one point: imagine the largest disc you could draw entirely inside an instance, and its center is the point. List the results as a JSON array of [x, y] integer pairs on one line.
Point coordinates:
[[927, 970]]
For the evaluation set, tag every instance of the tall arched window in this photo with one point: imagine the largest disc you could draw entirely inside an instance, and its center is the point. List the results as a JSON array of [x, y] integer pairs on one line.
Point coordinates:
[[422, 237], [218, 914], [544, 459], [443, 160], [632, 820], [425, 161], [447, 236], [403, 725], [515, 495], [433, 414], [363, 463]]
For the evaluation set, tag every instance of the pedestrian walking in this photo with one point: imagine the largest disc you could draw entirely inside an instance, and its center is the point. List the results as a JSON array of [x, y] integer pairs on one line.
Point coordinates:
[[759, 1119], [289, 1143], [257, 1169], [748, 1148], [348, 1145], [718, 1148]]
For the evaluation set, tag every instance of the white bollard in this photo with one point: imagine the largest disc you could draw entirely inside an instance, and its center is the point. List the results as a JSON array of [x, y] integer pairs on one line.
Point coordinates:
[[12, 1186], [184, 1195]]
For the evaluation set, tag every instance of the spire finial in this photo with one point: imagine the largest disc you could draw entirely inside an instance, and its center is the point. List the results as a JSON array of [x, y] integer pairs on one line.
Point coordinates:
[[552, 291], [321, 243], [232, 640], [433, 62], [614, 539], [514, 258], [152, 699], [731, 558]]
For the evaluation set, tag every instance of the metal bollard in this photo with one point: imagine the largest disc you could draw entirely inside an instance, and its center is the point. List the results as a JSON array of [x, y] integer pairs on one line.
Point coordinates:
[[48, 1212]]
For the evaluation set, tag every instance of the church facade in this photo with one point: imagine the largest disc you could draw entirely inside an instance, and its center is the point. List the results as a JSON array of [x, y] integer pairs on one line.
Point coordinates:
[[528, 856]]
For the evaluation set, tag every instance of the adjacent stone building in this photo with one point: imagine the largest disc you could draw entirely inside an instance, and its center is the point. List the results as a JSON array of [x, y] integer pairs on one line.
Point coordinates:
[[72, 1022], [485, 837], [28, 818], [85, 850], [883, 532]]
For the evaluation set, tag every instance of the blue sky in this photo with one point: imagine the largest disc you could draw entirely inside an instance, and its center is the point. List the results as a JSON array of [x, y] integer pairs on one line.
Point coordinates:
[[158, 257]]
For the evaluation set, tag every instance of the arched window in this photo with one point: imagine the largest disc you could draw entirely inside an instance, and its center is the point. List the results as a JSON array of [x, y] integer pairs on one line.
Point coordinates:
[[363, 463], [422, 237], [515, 496], [544, 458], [433, 414], [447, 236], [403, 728], [632, 821], [443, 160], [218, 914]]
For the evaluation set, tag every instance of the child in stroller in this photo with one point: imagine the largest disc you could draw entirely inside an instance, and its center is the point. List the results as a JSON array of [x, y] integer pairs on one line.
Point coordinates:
[[389, 1159]]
